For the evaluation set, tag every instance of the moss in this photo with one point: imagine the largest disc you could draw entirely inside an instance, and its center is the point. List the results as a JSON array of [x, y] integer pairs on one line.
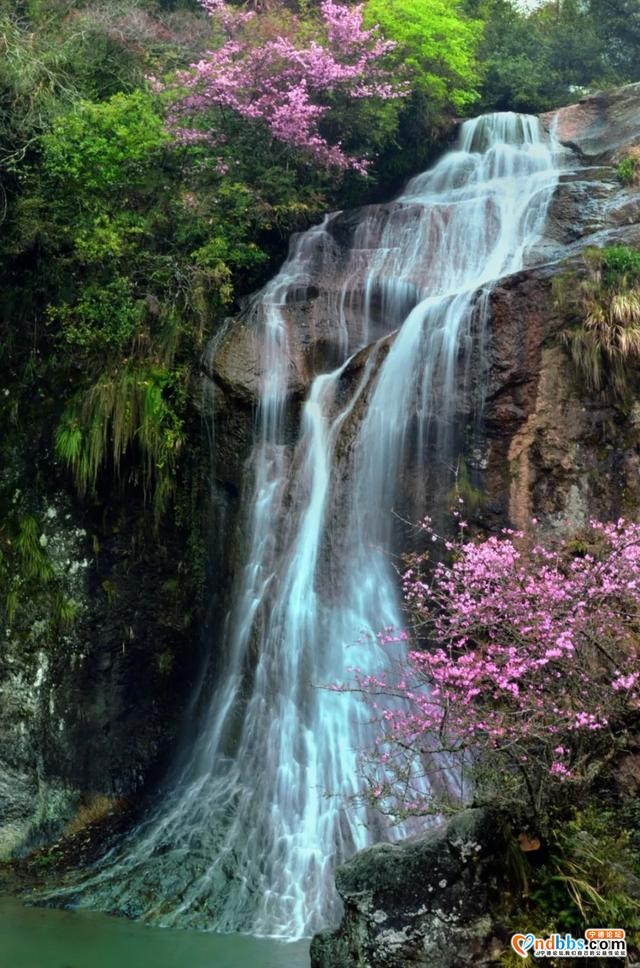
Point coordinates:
[[110, 589], [464, 489], [34, 589]]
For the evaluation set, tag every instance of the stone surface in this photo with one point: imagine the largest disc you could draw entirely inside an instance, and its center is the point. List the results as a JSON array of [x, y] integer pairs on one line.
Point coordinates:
[[424, 902], [543, 452], [91, 709], [600, 124], [554, 451]]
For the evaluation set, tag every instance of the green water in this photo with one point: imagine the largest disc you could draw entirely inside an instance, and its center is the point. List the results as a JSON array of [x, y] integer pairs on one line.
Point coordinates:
[[43, 938]]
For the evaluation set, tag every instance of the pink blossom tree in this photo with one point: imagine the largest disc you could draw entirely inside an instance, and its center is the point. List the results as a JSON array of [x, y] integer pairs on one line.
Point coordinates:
[[284, 78], [528, 674]]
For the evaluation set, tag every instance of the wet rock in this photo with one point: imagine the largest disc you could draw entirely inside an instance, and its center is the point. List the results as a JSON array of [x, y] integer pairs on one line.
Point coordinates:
[[424, 902], [556, 451], [540, 451], [96, 710], [92, 707], [581, 206]]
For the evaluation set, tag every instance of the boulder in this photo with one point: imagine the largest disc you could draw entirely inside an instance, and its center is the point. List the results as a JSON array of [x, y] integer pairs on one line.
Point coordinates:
[[424, 902]]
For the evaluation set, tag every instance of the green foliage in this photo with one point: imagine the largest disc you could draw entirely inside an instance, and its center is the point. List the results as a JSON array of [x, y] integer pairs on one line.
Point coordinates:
[[34, 562], [603, 304], [620, 267], [587, 878], [51, 56], [133, 407], [436, 57], [28, 574], [617, 24], [537, 60], [627, 170], [107, 238], [105, 315], [437, 47], [102, 147]]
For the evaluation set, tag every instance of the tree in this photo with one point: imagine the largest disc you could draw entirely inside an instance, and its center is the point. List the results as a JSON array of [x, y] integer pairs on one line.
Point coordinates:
[[535, 61], [436, 46], [529, 676], [617, 23], [282, 80], [541, 58]]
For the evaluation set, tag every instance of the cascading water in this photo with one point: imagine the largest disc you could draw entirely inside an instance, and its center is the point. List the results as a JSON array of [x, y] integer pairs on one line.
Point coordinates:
[[260, 812]]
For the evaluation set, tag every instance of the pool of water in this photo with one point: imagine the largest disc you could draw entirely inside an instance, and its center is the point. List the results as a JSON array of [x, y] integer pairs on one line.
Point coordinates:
[[45, 938]]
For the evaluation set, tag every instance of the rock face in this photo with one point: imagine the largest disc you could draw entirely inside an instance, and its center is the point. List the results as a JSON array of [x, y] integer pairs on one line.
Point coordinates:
[[90, 709], [425, 902], [554, 450], [549, 448], [601, 124]]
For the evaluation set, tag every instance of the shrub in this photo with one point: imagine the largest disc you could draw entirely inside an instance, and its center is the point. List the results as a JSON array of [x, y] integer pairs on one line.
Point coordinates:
[[105, 316], [104, 146], [530, 676], [628, 170], [585, 876], [605, 305]]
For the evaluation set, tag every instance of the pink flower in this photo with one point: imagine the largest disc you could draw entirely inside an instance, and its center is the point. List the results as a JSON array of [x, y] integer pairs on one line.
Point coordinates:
[[284, 86], [515, 662]]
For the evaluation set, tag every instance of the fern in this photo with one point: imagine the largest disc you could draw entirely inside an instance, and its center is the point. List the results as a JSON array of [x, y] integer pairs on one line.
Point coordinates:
[[125, 409], [35, 563]]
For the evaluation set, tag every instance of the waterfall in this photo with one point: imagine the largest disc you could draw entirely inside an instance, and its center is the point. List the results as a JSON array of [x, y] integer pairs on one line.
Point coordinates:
[[261, 810]]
